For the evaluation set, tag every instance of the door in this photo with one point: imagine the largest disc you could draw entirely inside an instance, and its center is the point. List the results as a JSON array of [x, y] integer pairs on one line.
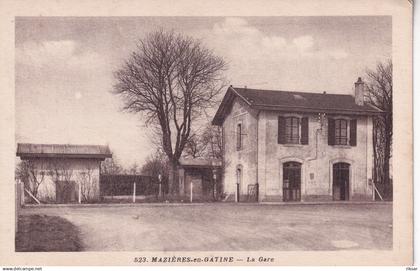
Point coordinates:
[[291, 181], [341, 181], [65, 191]]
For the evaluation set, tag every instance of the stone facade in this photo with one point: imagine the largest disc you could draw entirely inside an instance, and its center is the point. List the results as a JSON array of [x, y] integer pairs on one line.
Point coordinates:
[[261, 158]]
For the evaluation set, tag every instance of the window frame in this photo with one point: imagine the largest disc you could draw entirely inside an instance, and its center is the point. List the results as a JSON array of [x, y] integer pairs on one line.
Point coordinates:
[[239, 138], [290, 128], [342, 139]]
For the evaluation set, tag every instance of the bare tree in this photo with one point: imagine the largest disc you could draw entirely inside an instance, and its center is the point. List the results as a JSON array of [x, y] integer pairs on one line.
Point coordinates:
[[207, 145], [31, 176], [170, 79], [133, 169], [111, 166], [155, 165], [379, 94], [212, 139], [88, 184], [194, 147]]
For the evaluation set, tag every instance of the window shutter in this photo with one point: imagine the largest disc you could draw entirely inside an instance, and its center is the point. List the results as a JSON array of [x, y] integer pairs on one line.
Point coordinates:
[[281, 139], [331, 131], [304, 131], [353, 132]]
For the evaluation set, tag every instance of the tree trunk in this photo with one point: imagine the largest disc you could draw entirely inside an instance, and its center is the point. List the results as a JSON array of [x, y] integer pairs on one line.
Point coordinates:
[[173, 180]]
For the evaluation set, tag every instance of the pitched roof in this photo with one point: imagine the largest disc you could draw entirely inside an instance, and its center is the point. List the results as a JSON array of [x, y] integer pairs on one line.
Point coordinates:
[[25, 150], [198, 162], [292, 101]]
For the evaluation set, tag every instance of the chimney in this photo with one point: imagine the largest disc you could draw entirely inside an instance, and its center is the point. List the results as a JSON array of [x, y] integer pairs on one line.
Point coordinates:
[[359, 92]]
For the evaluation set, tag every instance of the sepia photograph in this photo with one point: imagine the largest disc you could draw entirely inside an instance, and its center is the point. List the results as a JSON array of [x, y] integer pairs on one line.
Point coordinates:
[[203, 133], [143, 133]]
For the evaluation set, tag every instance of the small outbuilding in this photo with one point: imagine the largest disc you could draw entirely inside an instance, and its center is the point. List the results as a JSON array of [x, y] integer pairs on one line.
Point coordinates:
[[61, 173], [201, 178]]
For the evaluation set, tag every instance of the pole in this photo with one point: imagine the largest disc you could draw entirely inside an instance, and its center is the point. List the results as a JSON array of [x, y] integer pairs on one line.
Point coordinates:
[[237, 192], [214, 184], [80, 193], [32, 196], [134, 192], [160, 185], [22, 193], [17, 201], [191, 192]]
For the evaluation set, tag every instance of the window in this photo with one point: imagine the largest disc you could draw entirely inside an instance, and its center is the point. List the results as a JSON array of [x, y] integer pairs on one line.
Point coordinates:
[[292, 130], [239, 136], [341, 137], [342, 132]]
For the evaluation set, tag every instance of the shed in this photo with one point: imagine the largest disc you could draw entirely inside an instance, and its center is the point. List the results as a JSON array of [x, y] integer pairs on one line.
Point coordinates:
[[202, 177], [61, 173]]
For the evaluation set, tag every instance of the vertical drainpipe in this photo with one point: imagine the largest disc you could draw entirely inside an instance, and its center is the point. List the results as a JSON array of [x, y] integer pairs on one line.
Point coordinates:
[[258, 181], [317, 132]]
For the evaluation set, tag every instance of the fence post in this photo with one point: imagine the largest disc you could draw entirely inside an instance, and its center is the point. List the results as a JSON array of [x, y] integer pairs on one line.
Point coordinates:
[[237, 193], [134, 192], [160, 186], [258, 192], [22, 193], [191, 191], [80, 193], [18, 202]]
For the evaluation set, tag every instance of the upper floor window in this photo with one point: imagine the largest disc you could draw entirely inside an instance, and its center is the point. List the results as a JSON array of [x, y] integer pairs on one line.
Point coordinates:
[[342, 131], [293, 130], [341, 137], [239, 136]]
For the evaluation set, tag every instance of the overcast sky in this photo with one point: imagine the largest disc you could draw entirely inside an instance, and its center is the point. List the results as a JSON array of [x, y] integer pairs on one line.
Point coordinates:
[[64, 67]]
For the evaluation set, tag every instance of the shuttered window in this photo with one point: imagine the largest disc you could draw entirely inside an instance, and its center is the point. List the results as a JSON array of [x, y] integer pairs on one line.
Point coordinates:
[[304, 131], [342, 132], [293, 130], [353, 132]]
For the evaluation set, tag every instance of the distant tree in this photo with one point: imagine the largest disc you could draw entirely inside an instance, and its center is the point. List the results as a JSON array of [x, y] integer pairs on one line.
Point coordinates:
[[133, 169], [194, 147], [212, 139], [171, 79], [111, 166], [206, 145], [155, 165], [379, 94]]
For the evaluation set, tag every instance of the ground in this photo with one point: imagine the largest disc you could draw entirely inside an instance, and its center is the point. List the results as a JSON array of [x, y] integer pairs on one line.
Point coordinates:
[[46, 233], [225, 227]]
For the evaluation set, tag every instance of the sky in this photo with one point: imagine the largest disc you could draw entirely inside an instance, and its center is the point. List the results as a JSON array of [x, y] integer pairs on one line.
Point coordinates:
[[64, 67]]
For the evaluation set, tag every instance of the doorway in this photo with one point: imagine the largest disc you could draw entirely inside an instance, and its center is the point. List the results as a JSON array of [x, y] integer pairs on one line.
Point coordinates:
[[66, 191], [291, 181], [341, 181]]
